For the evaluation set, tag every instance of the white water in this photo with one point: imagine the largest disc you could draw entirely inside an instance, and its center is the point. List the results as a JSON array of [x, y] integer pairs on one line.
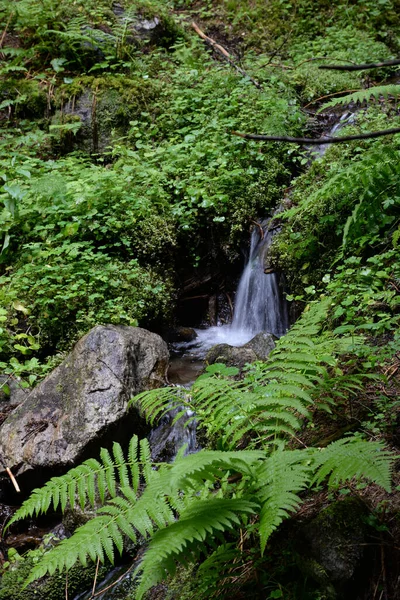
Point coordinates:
[[259, 303]]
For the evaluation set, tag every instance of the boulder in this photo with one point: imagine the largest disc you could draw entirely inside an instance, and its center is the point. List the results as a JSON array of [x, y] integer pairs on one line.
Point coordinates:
[[331, 547], [258, 348], [262, 344], [11, 392], [230, 355], [181, 334], [83, 402]]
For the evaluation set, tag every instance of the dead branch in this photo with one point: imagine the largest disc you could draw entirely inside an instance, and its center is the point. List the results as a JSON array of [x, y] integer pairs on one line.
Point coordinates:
[[386, 63], [329, 96], [316, 141], [259, 227], [13, 480], [5, 29], [225, 54], [95, 578], [303, 62]]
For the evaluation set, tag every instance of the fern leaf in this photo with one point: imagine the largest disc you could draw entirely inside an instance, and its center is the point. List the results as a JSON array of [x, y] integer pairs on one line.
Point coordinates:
[[195, 525], [120, 464], [133, 463], [109, 471], [361, 96], [282, 476], [145, 459], [351, 457]]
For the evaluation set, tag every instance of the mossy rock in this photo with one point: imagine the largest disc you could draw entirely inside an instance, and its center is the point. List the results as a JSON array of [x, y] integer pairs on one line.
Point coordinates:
[[104, 107], [331, 547], [27, 97], [47, 588]]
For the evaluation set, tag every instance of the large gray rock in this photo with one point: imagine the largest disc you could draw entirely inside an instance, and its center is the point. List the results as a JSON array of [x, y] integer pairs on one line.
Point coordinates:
[[230, 355], [262, 344], [258, 348], [83, 399]]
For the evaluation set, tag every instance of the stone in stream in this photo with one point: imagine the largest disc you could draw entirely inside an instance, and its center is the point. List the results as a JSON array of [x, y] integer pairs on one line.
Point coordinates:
[[262, 344], [258, 348], [82, 404]]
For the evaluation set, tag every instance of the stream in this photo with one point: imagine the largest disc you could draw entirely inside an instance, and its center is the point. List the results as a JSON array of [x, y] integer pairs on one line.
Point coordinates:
[[260, 306]]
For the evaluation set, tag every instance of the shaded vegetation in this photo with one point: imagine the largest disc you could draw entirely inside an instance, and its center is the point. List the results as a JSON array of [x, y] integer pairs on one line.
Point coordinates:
[[120, 176]]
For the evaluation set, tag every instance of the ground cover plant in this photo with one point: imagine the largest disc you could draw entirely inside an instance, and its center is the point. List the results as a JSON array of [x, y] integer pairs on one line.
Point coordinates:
[[119, 175]]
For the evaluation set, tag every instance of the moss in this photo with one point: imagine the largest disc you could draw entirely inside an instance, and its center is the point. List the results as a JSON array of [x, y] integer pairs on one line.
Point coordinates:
[[103, 105], [27, 97], [47, 588]]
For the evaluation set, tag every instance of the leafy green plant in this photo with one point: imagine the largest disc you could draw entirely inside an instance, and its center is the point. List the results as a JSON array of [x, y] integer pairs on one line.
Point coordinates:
[[182, 507]]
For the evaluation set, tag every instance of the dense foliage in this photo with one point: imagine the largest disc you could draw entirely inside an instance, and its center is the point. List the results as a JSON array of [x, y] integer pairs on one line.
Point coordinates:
[[120, 175]]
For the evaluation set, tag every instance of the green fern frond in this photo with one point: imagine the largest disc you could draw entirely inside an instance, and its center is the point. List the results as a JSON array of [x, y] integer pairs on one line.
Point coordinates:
[[81, 484], [351, 458], [201, 520], [377, 92], [280, 478]]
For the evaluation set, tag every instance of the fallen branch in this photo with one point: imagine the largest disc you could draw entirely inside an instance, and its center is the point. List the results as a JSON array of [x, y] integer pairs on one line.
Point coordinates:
[[259, 227], [5, 29], [13, 480], [225, 54], [386, 63], [316, 141], [330, 96], [11, 476], [303, 62]]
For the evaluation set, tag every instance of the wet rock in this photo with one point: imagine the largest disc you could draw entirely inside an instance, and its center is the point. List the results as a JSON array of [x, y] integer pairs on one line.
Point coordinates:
[[230, 355], [181, 334], [83, 402], [167, 439], [262, 344]]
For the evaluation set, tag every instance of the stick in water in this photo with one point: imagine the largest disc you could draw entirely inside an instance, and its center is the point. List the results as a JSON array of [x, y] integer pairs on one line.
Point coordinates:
[[14, 481]]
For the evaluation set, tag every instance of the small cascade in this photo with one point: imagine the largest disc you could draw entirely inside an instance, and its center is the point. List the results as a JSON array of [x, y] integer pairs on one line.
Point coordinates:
[[259, 304]]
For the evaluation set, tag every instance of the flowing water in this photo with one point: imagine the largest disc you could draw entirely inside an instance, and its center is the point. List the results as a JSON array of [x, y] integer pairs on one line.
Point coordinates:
[[259, 303]]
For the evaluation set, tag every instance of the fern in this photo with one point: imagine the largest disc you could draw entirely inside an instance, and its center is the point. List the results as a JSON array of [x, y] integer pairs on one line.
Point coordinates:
[[181, 540], [347, 458], [89, 481], [371, 185], [281, 477], [184, 508], [186, 505], [383, 91], [269, 403]]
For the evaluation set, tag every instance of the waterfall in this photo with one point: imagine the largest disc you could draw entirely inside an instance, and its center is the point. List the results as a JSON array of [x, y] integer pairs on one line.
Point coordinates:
[[259, 304]]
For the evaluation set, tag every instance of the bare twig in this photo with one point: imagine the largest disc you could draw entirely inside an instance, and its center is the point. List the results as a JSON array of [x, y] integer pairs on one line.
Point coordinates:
[[316, 141], [225, 54], [303, 62], [66, 586], [95, 578], [329, 96], [386, 63], [5, 29], [259, 227], [13, 480]]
